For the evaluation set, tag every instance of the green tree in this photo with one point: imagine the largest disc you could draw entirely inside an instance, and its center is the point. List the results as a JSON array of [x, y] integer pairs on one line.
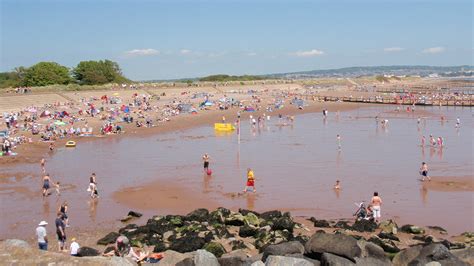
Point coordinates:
[[98, 72], [45, 73]]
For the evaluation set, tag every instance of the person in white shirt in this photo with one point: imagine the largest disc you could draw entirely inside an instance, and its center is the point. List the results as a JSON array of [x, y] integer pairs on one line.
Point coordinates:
[[74, 247], [41, 234]]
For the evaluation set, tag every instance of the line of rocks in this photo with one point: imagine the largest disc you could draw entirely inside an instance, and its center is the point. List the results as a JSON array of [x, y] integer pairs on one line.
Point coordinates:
[[224, 237], [201, 234]]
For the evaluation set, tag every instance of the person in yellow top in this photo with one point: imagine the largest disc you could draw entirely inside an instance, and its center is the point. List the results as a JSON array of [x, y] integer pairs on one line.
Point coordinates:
[[250, 181]]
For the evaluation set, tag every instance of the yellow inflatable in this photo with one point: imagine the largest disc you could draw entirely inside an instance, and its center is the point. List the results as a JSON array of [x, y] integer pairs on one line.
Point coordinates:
[[224, 127], [70, 144]]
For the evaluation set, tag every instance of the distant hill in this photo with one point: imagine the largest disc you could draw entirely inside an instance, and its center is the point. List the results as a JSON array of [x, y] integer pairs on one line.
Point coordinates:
[[422, 71], [442, 71]]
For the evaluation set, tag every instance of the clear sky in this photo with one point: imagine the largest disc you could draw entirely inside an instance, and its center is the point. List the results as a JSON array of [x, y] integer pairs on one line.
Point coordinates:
[[178, 39]]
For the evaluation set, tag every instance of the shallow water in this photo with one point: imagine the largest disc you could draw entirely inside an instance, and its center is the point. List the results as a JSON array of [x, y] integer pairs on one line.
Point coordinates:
[[295, 168]]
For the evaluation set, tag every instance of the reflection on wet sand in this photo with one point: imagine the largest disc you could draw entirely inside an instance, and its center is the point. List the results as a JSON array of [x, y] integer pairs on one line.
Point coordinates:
[[93, 208]]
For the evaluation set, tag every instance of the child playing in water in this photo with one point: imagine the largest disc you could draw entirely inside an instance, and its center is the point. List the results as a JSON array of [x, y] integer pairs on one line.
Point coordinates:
[[57, 188], [250, 181]]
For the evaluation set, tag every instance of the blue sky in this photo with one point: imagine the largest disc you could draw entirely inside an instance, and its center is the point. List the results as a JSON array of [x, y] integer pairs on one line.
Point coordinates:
[[178, 39]]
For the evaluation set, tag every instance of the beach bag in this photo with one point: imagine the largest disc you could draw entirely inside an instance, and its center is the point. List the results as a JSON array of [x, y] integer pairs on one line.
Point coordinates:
[[209, 172]]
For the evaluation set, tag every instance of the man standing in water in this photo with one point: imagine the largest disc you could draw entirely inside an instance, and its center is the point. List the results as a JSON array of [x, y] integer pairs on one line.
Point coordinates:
[[206, 159], [424, 172], [60, 231], [376, 203]]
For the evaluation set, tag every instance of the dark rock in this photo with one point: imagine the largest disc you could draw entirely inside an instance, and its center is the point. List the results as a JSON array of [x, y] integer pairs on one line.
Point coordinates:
[[342, 224], [412, 229], [388, 226], [388, 236], [301, 256], [358, 237], [108, 249], [159, 247], [423, 238], [371, 254], [87, 252], [208, 237], [186, 262], [245, 212], [283, 223], [234, 258], [219, 215], [175, 220], [301, 238], [237, 244], [187, 244], [200, 215], [465, 254], [419, 255], [205, 258], [283, 249], [215, 248], [159, 226], [385, 244], [235, 220], [437, 228], [270, 215], [320, 223], [126, 219], [223, 233], [341, 245], [128, 228], [247, 231], [134, 214], [108, 239], [436, 252], [364, 226], [328, 259]]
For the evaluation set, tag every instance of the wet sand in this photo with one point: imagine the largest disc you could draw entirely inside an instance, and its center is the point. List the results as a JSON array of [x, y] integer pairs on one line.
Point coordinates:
[[162, 174]]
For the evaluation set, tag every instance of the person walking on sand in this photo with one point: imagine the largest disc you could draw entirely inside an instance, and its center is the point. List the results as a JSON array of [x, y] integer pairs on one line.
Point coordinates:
[[250, 181], [93, 186], [424, 172], [338, 137], [42, 237], [46, 185], [43, 162], [60, 231], [376, 203], [206, 160]]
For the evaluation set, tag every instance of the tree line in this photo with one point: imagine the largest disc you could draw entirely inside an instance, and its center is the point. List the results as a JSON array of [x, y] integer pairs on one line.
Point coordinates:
[[51, 73]]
